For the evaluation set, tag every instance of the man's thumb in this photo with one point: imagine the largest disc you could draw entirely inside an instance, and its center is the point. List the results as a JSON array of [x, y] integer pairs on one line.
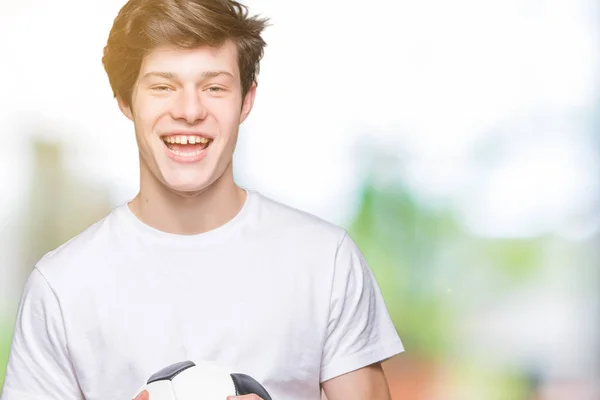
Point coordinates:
[[143, 396]]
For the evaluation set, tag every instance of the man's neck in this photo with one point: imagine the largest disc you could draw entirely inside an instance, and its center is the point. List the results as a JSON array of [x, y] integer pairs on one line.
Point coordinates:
[[170, 212]]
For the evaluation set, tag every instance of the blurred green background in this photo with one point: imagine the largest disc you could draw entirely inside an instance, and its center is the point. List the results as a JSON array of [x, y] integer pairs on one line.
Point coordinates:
[[457, 142]]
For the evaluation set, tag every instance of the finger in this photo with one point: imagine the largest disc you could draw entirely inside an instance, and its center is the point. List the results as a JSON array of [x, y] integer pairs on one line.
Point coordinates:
[[246, 397], [143, 396]]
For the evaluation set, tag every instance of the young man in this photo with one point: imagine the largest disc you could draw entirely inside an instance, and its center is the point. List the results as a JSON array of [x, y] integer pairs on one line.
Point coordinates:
[[196, 267]]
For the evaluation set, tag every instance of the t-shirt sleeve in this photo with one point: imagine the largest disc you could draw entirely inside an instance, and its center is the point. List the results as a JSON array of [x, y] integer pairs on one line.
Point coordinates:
[[39, 367], [360, 331]]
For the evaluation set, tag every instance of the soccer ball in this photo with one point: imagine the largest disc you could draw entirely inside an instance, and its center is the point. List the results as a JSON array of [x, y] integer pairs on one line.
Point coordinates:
[[188, 380]]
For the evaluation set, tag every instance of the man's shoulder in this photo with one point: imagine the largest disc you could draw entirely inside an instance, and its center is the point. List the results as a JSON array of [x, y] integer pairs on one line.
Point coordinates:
[[81, 250], [282, 217]]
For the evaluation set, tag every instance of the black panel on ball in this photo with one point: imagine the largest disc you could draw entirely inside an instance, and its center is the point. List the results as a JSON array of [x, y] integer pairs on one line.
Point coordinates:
[[170, 372], [245, 384]]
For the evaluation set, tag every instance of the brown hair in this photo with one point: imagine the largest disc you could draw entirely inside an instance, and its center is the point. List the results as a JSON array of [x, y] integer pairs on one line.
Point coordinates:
[[141, 25]]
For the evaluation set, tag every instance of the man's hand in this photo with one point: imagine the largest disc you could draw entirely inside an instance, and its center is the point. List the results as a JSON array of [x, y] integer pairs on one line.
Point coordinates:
[[144, 396]]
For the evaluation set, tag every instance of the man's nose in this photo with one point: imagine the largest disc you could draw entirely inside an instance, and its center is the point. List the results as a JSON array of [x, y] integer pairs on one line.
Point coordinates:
[[189, 108]]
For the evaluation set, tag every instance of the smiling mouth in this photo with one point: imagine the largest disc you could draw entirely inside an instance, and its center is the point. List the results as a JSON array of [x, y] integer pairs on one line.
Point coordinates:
[[186, 145]]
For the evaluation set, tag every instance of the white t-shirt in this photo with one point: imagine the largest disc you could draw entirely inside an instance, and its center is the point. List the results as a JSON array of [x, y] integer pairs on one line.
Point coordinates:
[[276, 293]]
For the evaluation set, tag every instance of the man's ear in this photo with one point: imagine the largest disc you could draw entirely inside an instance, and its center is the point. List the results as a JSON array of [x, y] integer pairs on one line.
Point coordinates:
[[125, 109], [248, 102]]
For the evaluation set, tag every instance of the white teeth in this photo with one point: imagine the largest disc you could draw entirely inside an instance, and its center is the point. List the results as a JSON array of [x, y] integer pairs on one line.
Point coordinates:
[[186, 153], [185, 139]]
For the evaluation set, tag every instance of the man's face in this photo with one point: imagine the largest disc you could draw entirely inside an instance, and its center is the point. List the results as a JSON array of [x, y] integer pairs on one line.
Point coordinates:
[[187, 107]]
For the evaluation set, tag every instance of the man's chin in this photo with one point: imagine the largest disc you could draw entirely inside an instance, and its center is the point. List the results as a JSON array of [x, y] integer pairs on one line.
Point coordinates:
[[186, 187], [187, 183]]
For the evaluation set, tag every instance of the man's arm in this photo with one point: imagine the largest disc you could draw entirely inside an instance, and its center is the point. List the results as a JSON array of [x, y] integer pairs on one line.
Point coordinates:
[[368, 383], [39, 367], [360, 333]]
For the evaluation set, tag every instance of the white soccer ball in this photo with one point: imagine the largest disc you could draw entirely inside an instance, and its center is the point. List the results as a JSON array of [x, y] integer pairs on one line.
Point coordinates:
[[189, 380]]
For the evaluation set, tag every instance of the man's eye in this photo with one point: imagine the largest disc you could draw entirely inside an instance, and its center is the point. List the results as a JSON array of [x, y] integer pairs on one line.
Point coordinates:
[[215, 89], [161, 88]]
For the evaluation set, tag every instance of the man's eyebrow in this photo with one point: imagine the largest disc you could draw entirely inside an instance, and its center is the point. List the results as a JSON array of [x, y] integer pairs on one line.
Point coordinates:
[[215, 73], [204, 75], [166, 75]]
